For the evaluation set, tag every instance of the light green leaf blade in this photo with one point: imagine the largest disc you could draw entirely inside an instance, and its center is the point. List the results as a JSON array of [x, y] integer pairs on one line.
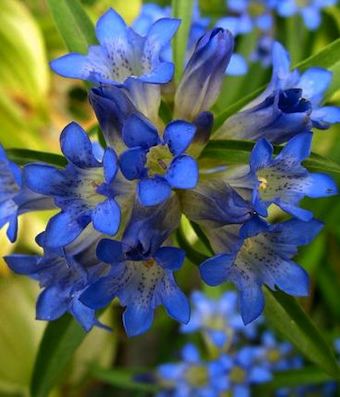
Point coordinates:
[[181, 9], [286, 315], [60, 340], [73, 24], [25, 156]]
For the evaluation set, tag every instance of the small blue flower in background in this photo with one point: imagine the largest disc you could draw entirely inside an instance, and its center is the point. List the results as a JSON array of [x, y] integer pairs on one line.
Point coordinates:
[[160, 164], [203, 74], [87, 190], [310, 10], [192, 377], [243, 370], [141, 274], [263, 51], [283, 180], [122, 54], [218, 319], [63, 274], [15, 197], [257, 254]]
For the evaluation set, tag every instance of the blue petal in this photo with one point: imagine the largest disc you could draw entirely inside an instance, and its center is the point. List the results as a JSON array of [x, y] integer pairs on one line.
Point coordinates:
[[183, 172], [110, 27], [314, 83], [160, 74], [132, 163], [241, 391], [298, 212], [320, 185], [324, 117], [261, 155], [311, 16], [12, 230], [110, 251], [63, 228], [23, 264], [137, 319], [160, 33], [178, 135], [77, 147], [83, 314], [110, 163], [44, 179], [153, 191], [297, 148], [292, 279], [106, 217], [190, 353], [74, 66], [253, 227], [138, 131], [99, 294], [170, 258], [215, 270], [237, 66], [251, 302], [176, 304], [51, 304]]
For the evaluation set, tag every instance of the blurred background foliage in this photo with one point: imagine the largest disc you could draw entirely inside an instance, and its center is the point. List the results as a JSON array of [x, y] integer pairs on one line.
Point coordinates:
[[34, 107]]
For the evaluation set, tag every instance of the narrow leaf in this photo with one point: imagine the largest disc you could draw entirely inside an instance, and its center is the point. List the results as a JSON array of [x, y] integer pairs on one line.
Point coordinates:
[[123, 379], [299, 377], [233, 152], [194, 256], [60, 340], [73, 24], [25, 156], [287, 316], [326, 58], [181, 9]]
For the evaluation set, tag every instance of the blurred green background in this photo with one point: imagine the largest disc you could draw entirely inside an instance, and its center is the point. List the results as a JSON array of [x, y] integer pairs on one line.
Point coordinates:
[[34, 107]]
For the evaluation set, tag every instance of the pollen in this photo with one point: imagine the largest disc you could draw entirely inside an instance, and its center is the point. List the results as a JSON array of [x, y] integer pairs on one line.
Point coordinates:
[[263, 183], [149, 263]]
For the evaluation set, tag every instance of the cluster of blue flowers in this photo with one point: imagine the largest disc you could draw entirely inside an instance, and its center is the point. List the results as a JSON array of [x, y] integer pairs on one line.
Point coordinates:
[[235, 357], [137, 187]]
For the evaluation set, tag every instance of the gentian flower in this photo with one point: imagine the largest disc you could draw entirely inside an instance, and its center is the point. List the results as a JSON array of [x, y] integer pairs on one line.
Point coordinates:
[[259, 253], [218, 319], [141, 274], [87, 190], [243, 371], [192, 376], [160, 164], [122, 54], [203, 74], [283, 180], [15, 197], [310, 10], [63, 274]]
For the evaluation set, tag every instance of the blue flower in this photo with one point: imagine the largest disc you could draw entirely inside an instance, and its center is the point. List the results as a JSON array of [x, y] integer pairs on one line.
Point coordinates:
[[283, 180], [15, 197], [122, 54], [218, 319], [192, 377], [243, 370], [203, 74], [87, 190], [141, 274], [257, 254], [263, 51], [62, 274], [310, 10], [280, 116], [160, 164]]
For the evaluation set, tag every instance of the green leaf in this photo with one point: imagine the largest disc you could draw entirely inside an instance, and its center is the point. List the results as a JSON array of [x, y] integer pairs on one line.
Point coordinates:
[[73, 24], [299, 377], [181, 9], [123, 379], [234, 152], [194, 256], [60, 340], [326, 58], [25, 156], [286, 315]]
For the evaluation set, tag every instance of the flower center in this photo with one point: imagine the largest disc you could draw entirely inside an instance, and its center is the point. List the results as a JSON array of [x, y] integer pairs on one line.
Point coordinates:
[[197, 376], [158, 159], [256, 9], [237, 375], [273, 355], [263, 183]]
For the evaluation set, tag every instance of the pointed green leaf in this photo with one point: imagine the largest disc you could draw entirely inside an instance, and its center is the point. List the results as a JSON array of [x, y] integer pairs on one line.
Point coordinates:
[[25, 156], [181, 9], [233, 152], [326, 58], [60, 340], [286, 315], [73, 24]]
